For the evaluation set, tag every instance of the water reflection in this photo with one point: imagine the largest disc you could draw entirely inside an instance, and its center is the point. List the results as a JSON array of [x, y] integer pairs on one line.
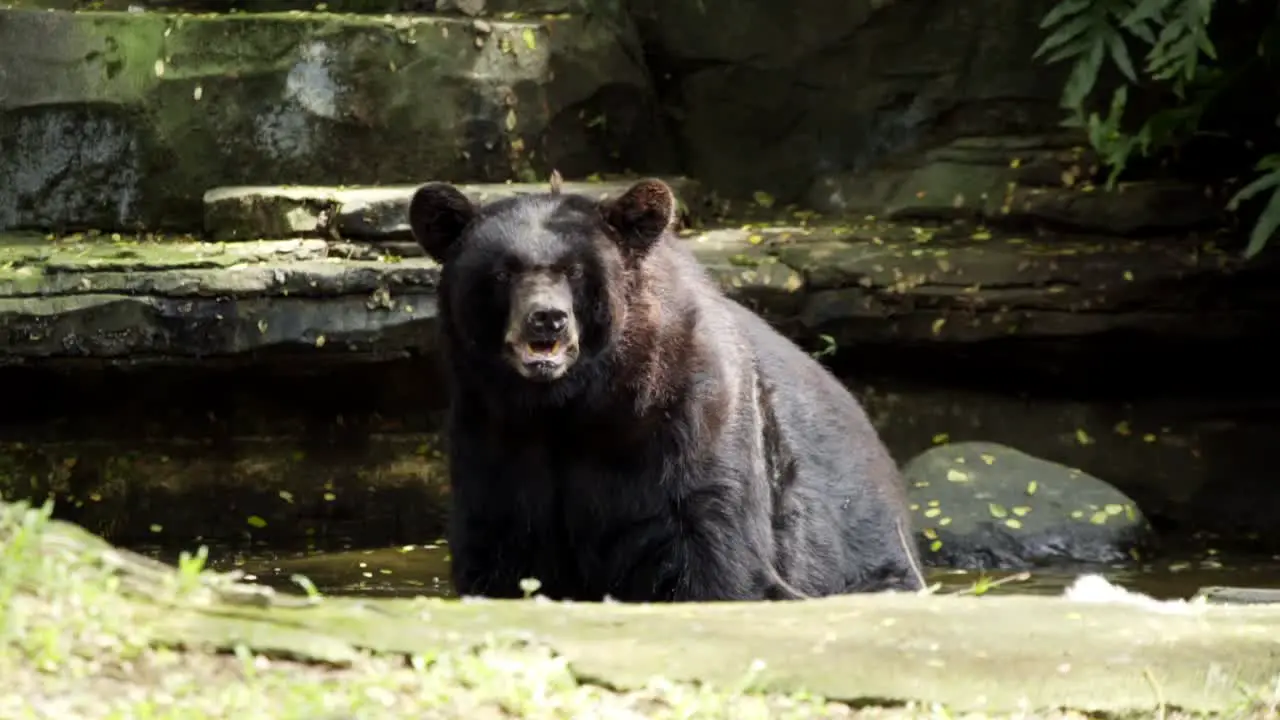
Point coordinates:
[[424, 570]]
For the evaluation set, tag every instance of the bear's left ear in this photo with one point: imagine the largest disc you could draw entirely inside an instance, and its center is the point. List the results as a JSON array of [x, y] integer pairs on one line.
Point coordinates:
[[438, 213], [642, 214]]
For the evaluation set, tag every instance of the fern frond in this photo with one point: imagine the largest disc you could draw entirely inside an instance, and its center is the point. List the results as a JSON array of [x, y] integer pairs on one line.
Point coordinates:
[[1183, 38], [1088, 32], [1269, 220]]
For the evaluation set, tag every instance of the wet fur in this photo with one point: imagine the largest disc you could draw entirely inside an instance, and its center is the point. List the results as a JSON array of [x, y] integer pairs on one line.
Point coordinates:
[[692, 452]]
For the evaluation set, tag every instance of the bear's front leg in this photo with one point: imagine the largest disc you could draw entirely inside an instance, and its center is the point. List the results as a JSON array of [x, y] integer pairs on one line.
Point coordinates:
[[486, 570], [687, 555], [723, 547], [719, 569], [485, 559]]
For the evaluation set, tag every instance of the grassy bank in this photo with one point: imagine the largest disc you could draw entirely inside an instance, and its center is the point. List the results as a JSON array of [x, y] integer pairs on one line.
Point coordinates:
[[87, 633]]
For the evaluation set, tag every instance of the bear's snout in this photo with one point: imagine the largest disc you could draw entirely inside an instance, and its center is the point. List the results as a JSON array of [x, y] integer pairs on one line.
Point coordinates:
[[542, 332], [545, 323]]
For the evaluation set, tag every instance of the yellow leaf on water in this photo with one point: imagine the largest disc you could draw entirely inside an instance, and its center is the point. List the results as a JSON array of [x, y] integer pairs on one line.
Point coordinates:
[[1015, 524], [1082, 437], [935, 546], [1031, 487], [937, 325], [1122, 428], [763, 199], [997, 510], [940, 438], [988, 458], [958, 476], [981, 235], [530, 40]]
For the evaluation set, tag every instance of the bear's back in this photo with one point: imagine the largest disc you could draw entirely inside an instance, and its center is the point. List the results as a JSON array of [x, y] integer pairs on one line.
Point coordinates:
[[833, 469]]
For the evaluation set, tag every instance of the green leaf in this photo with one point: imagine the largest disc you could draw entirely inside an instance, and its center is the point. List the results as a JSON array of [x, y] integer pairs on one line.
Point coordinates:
[[1065, 34], [1145, 11], [1120, 56], [1142, 32], [1083, 76], [1270, 180], [1119, 101], [1073, 121], [1268, 221], [1206, 46], [1075, 49], [1063, 10], [1268, 162]]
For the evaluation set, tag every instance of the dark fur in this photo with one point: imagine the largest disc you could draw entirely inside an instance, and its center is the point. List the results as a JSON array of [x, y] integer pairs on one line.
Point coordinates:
[[691, 453]]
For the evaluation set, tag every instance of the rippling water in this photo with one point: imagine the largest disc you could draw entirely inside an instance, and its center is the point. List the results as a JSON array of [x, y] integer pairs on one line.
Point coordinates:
[[424, 570]]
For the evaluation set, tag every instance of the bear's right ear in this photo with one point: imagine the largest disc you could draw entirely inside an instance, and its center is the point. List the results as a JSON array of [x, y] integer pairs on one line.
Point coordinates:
[[438, 213], [642, 214]]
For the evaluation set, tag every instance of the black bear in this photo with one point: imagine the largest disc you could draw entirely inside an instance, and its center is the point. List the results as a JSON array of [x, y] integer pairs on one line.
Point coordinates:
[[619, 428]]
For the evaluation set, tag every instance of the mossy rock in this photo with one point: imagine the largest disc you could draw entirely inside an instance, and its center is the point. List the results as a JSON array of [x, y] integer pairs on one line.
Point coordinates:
[[982, 505], [153, 109]]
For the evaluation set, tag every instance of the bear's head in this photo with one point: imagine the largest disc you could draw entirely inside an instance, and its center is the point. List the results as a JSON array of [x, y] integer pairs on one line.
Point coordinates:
[[537, 285]]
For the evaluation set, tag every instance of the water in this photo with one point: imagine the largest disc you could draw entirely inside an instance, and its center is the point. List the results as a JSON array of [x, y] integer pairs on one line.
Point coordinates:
[[415, 570]]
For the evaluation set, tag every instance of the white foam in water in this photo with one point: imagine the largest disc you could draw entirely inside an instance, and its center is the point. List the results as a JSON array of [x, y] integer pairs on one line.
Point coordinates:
[[1097, 589]]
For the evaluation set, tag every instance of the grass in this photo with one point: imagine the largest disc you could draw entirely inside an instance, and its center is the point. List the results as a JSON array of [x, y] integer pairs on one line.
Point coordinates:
[[75, 645]]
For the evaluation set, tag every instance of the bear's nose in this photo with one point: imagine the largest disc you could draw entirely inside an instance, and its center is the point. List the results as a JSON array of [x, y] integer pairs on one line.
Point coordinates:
[[550, 321]]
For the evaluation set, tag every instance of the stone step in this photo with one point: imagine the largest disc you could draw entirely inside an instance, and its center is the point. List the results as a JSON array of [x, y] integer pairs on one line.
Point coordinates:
[[172, 299], [372, 213], [153, 109], [471, 8]]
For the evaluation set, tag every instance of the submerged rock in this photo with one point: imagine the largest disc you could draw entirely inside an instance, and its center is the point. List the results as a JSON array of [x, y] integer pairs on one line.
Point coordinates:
[[121, 120], [980, 505]]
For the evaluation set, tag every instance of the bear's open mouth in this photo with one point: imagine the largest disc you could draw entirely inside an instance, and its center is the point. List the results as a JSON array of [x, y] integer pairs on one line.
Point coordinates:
[[543, 347]]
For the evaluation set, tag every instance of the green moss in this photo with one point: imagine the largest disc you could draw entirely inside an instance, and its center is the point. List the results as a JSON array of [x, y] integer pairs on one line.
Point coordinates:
[[90, 631]]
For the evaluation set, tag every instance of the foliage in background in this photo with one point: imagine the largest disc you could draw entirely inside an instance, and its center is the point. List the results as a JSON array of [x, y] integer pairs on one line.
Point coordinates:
[[1178, 57]]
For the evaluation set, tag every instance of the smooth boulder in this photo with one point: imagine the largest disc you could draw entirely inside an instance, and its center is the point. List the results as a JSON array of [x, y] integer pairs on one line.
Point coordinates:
[[982, 505]]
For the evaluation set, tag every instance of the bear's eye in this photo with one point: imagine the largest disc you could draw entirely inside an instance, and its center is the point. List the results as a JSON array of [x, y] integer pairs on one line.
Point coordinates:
[[575, 272], [502, 276]]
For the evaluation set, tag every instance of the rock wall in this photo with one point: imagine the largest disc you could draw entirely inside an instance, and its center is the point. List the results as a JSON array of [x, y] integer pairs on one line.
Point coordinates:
[[117, 121], [782, 96]]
